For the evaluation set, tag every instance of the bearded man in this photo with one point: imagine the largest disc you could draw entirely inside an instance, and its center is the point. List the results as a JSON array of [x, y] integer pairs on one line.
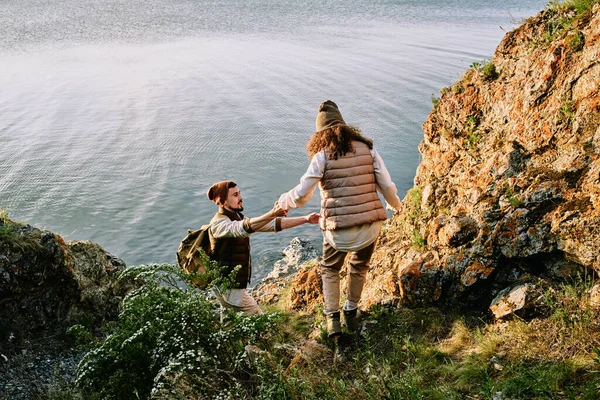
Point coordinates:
[[349, 173], [230, 240]]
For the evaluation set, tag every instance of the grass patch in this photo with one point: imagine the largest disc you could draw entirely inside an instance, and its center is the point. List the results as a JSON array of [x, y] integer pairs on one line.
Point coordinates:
[[13, 235], [418, 242], [423, 353], [562, 21], [567, 111], [578, 6], [513, 200], [416, 196], [486, 69], [435, 101], [473, 134]]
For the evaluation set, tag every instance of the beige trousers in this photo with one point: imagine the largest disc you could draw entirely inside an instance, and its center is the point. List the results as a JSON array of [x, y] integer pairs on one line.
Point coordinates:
[[238, 300], [332, 262]]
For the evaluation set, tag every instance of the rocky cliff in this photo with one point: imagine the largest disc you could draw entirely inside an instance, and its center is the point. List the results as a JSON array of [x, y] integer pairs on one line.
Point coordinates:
[[47, 284], [508, 187]]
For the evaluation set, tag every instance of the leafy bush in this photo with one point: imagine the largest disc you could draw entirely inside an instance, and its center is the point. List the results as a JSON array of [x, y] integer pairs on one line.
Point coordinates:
[[486, 69], [169, 335]]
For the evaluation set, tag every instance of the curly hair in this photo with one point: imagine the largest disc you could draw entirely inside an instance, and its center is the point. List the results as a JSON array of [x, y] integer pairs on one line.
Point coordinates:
[[336, 141]]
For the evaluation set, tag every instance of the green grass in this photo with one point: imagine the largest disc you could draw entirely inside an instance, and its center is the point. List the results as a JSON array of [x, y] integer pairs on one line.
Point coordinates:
[[416, 196], [418, 242], [579, 6], [562, 22], [12, 237], [512, 199], [566, 110], [486, 69], [422, 353], [473, 135]]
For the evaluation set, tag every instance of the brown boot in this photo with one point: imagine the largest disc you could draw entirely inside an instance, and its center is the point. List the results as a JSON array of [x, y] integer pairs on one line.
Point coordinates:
[[334, 326], [352, 319]]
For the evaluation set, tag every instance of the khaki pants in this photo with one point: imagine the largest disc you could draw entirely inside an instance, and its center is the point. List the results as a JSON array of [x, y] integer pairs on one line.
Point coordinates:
[[238, 300], [332, 262]]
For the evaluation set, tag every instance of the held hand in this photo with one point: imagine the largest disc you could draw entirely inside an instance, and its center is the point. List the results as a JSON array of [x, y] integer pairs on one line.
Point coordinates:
[[277, 211], [313, 218]]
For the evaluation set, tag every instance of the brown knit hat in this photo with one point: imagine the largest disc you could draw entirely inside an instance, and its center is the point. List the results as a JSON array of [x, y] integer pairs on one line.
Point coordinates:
[[219, 191], [329, 115]]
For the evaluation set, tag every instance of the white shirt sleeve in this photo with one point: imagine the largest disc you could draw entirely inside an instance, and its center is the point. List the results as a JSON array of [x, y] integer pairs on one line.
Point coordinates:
[[384, 182], [226, 228], [301, 194]]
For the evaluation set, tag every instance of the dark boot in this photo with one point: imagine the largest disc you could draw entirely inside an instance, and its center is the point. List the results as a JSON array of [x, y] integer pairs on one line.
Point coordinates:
[[352, 319], [334, 326]]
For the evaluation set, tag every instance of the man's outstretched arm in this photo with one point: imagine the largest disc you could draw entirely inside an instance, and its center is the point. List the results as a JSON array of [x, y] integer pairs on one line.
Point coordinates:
[[286, 223], [257, 223], [225, 227]]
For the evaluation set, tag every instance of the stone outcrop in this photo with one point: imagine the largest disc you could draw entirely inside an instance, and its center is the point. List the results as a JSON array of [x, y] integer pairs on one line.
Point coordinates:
[[509, 182], [46, 284], [298, 271]]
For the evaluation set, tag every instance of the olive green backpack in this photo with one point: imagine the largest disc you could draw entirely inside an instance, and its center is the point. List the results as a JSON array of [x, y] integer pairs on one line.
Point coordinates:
[[188, 254]]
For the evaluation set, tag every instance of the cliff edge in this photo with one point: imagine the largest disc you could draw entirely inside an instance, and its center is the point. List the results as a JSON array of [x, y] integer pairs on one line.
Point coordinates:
[[508, 187]]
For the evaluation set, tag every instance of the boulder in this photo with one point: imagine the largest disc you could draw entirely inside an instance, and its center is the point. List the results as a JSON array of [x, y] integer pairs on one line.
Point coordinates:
[[47, 284]]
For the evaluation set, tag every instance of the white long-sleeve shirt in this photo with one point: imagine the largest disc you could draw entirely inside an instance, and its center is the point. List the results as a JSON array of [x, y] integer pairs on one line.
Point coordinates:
[[226, 228], [357, 237]]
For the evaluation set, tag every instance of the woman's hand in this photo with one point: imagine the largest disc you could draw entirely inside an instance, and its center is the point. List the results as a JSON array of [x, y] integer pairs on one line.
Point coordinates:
[[313, 218], [277, 211]]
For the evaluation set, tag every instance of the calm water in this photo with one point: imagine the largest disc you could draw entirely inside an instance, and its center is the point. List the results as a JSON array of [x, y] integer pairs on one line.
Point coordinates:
[[117, 115]]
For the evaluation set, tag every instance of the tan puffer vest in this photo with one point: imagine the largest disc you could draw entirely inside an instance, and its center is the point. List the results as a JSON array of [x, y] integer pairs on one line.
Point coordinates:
[[349, 191]]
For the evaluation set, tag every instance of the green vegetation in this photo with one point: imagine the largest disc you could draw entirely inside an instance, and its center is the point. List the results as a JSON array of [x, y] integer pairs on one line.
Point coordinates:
[[81, 336], [416, 196], [473, 135], [579, 6], [418, 241], [170, 343], [413, 212], [486, 69], [566, 110], [169, 334], [435, 101], [512, 199], [11, 235], [563, 20]]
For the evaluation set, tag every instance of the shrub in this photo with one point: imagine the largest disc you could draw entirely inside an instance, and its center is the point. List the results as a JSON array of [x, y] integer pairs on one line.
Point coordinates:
[[562, 22], [512, 199], [416, 197], [566, 110], [486, 69], [169, 334], [418, 242], [13, 235]]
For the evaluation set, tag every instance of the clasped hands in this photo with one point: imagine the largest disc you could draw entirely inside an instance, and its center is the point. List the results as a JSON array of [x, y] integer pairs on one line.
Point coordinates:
[[279, 211]]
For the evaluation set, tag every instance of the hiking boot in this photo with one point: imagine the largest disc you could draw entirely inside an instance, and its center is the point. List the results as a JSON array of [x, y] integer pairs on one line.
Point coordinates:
[[334, 326], [352, 319]]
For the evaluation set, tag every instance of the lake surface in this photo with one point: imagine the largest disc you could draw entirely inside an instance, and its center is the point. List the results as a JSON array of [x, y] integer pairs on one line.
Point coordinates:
[[117, 116]]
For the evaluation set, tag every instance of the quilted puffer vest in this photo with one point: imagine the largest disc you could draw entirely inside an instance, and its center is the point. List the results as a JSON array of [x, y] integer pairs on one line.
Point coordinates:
[[231, 252], [349, 191]]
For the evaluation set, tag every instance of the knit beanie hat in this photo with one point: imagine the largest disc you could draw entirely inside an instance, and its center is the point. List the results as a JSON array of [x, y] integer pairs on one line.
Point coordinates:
[[219, 191], [328, 116]]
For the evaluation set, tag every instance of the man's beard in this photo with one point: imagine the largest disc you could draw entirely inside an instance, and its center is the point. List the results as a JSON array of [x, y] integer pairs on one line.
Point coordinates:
[[241, 208]]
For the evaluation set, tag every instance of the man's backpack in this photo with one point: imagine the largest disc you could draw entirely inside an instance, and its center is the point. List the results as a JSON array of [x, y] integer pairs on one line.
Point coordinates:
[[188, 254]]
